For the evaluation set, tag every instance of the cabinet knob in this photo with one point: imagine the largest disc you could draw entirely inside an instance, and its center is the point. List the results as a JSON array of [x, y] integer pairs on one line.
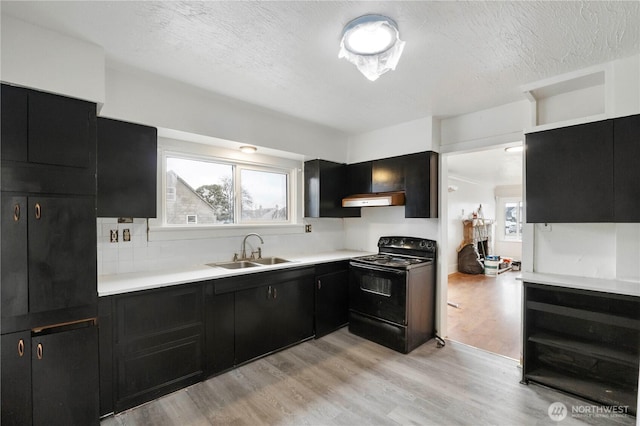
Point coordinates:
[[269, 292], [275, 293], [38, 211], [21, 348], [319, 284], [39, 351], [16, 213]]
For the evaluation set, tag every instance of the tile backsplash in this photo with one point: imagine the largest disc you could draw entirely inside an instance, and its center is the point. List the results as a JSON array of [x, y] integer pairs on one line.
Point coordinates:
[[138, 254]]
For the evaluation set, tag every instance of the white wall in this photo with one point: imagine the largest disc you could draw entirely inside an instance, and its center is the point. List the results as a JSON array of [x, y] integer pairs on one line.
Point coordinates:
[[35, 57], [405, 138], [461, 204], [156, 101]]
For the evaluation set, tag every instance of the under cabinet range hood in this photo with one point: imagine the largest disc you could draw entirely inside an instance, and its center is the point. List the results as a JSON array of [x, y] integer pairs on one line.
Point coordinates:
[[378, 199]]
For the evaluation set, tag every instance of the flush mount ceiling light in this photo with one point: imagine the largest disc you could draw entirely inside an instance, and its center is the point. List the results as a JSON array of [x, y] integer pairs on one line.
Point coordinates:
[[247, 149], [517, 148], [372, 43]]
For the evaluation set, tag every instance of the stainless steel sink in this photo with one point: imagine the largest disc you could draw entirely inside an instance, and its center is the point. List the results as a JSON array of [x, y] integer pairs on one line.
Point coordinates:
[[235, 265], [241, 264], [270, 260]]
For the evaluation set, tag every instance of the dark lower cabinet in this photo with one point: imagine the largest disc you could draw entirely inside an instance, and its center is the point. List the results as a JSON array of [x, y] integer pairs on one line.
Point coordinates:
[[219, 312], [586, 343], [16, 379], [51, 377], [273, 316], [331, 297], [158, 339]]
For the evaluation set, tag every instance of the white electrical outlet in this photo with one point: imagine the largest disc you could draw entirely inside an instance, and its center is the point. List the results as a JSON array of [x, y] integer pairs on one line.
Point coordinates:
[[113, 236], [545, 227]]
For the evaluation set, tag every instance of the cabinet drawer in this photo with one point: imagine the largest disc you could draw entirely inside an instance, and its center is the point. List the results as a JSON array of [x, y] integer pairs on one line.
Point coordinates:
[[155, 312], [147, 374]]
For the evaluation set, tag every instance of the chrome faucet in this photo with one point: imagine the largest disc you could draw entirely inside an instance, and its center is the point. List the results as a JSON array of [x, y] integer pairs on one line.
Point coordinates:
[[244, 246]]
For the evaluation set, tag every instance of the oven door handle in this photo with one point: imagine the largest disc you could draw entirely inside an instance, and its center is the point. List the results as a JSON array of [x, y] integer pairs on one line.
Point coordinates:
[[376, 268], [377, 293]]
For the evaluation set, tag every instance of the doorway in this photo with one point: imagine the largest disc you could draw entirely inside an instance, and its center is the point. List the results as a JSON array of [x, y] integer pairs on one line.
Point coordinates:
[[484, 206]]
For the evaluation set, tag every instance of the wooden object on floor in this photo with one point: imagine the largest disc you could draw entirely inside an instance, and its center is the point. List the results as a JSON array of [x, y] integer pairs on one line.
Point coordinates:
[[342, 379], [489, 312]]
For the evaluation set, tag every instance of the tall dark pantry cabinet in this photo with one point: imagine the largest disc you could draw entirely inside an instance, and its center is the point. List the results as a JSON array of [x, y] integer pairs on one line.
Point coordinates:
[[48, 288]]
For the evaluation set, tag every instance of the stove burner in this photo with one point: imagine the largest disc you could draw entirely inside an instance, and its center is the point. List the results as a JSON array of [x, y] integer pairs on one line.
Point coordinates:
[[387, 260]]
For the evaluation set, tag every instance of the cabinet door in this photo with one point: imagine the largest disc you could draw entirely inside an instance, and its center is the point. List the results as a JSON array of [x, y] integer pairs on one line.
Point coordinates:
[[62, 253], [127, 169], [359, 178], [421, 185], [14, 129], [65, 377], [569, 174], [332, 301], [16, 379], [219, 330], [62, 131], [626, 150], [270, 317], [15, 290], [388, 175]]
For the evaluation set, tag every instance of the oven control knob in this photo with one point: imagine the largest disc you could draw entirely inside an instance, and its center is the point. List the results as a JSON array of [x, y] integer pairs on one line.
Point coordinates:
[[430, 245]]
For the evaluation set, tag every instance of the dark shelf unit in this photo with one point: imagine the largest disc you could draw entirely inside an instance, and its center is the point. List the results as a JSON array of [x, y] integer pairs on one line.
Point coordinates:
[[583, 342]]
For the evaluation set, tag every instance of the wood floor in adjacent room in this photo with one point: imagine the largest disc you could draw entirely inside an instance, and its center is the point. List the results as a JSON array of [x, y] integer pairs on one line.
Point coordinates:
[[342, 379], [489, 312]]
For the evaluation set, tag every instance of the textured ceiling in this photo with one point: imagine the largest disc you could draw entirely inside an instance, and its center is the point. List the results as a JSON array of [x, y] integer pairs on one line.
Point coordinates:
[[459, 57]]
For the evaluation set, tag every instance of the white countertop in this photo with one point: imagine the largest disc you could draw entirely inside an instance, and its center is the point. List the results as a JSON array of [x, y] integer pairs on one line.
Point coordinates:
[[629, 288], [135, 281]]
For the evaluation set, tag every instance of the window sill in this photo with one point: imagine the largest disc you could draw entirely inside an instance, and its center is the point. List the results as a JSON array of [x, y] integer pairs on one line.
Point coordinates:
[[194, 232]]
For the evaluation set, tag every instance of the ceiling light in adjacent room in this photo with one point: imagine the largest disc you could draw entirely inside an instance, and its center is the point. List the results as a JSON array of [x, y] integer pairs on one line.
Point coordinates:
[[247, 149], [517, 148], [372, 43]]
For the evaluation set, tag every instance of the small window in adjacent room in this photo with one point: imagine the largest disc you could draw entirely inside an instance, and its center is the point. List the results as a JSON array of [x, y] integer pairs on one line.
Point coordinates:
[[512, 209]]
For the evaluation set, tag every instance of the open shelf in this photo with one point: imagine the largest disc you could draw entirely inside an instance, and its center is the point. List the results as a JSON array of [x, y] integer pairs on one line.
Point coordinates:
[[583, 314], [602, 392], [596, 350]]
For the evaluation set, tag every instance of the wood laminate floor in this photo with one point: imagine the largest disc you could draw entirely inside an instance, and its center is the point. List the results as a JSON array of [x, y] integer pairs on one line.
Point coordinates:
[[489, 313], [342, 379]]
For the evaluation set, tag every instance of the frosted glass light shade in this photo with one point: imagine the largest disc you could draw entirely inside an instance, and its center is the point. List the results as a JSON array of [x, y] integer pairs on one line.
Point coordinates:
[[372, 43]]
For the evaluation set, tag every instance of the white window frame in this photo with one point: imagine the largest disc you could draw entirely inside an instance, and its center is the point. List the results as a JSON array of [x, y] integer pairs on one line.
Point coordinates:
[[158, 228]]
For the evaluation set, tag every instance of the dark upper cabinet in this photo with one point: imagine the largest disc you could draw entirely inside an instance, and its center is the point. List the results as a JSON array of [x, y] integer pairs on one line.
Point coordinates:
[[324, 188], [42, 128], [127, 169], [421, 185], [62, 253], [14, 268], [584, 173], [15, 118], [388, 174], [415, 174], [359, 177], [626, 172], [331, 297]]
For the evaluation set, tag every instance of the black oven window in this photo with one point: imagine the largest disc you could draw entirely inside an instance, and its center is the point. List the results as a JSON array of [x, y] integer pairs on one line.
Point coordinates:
[[377, 285]]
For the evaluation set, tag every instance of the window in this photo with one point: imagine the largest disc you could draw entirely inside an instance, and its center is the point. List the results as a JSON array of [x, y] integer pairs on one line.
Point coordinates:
[[210, 191], [512, 219]]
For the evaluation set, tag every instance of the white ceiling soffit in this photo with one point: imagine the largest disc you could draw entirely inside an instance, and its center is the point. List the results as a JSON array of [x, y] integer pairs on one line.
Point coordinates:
[[459, 57]]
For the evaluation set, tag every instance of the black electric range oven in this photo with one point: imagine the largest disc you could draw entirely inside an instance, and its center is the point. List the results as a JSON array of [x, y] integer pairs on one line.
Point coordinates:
[[392, 293]]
